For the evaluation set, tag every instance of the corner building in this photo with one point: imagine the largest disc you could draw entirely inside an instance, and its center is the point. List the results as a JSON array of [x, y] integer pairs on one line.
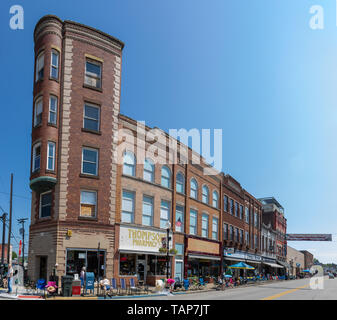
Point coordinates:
[[95, 197], [73, 174]]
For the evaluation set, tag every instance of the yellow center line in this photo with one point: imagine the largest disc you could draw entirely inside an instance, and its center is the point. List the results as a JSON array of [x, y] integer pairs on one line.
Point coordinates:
[[284, 293]]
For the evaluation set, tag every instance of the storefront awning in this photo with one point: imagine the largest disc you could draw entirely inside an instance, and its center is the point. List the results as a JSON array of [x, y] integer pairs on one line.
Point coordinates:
[[252, 261], [196, 256], [284, 264], [274, 265]]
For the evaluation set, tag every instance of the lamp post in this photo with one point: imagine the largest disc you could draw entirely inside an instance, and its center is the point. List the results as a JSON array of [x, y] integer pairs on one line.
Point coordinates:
[[168, 226]]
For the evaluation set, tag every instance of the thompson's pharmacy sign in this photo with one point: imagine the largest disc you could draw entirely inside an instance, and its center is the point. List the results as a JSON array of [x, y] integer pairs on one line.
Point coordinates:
[[143, 240]]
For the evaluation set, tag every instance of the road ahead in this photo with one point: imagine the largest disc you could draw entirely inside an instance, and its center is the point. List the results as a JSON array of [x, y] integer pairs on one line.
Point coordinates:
[[284, 290]]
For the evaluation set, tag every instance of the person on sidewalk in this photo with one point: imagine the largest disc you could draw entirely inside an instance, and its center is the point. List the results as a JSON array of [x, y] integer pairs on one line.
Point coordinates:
[[82, 277], [10, 278]]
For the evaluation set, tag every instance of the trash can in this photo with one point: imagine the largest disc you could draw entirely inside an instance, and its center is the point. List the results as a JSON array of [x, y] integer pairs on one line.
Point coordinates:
[[76, 288], [67, 282]]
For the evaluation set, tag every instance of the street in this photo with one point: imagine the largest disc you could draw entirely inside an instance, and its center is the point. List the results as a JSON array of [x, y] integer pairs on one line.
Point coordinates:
[[284, 290]]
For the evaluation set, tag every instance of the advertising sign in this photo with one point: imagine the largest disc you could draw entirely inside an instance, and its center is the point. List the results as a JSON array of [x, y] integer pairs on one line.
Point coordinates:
[[309, 237], [143, 240]]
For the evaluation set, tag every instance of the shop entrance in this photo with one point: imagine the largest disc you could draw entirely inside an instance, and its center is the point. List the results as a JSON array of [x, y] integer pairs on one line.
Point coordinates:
[[141, 267], [43, 267]]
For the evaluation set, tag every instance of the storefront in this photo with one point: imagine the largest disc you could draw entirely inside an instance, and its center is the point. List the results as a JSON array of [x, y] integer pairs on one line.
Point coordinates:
[[231, 257], [139, 255], [270, 267], [203, 259], [77, 258]]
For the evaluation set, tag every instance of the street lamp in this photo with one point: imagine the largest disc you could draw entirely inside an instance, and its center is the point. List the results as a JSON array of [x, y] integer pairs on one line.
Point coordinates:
[[168, 226]]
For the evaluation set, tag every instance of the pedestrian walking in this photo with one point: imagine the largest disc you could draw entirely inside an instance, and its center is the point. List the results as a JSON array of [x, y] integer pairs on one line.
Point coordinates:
[[9, 278], [82, 277]]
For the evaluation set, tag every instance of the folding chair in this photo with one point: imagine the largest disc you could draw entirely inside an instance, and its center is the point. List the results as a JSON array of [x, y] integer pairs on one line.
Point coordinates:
[[133, 287], [113, 286], [123, 285]]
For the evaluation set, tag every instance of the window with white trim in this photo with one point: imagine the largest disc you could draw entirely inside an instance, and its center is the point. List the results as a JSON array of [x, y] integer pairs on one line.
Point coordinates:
[[128, 206], [164, 213], [129, 163], [89, 161], [204, 225], [54, 64], [193, 222], [45, 204], [93, 73], [52, 118], [215, 199], [205, 194], [194, 189], [51, 156], [215, 224], [36, 157], [88, 203], [39, 67], [165, 177], [180, 183], [179, 218], [38, 111], [91, 117], [147, 219], [148, 173]]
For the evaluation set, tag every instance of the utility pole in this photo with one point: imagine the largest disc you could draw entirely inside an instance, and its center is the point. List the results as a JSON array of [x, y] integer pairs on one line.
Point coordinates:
[[22, 231], [3, 238], [10, 221]]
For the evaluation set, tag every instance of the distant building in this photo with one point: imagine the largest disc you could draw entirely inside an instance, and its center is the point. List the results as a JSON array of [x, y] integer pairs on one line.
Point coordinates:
[[295, 259], [308, 259]]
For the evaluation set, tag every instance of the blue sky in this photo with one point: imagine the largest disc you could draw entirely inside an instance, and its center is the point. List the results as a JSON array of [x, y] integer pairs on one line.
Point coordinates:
[[252, 68]]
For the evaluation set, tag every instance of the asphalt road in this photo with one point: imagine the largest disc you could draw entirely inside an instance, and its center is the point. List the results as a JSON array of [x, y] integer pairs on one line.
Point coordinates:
[[284, 290]]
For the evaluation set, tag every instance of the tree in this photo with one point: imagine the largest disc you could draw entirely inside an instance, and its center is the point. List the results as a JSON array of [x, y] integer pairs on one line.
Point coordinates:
[[14, 255]]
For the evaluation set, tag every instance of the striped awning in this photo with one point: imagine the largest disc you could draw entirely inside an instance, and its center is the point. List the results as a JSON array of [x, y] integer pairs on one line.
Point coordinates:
[[274, 265]]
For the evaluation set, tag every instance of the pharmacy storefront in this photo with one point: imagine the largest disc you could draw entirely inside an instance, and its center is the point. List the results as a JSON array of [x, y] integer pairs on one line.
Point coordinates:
[[138, 254]]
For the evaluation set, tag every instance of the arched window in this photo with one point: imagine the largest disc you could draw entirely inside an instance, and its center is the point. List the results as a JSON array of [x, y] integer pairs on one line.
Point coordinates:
[[215, 199], [180, 182], [148, 170], [129, 163], [165, 177], [194, 189], [205, 194]]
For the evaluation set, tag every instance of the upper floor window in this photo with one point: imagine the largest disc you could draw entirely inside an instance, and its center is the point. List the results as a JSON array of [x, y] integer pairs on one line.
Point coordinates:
[[147, 211], [45, 204], [204, 225], [39, 67], [88, 203], [54, 64], [247, 215], [205, 194], [164, 214], [231, 206], [215, 199], [91, 117], [225, 203], [52, 110], [236, 209], [148, 174], [179, 218], [237, 234], [165, 177], [241, 211], [215, 224], [51, 156], [128, 205], [193, 222], [180, 182], [38, 111], [247, 238], [194, 189], [90, 161], [129, 163], [93, 73], [225, 231], [231, 233], [241, 236], [255, 219], [36, 157]]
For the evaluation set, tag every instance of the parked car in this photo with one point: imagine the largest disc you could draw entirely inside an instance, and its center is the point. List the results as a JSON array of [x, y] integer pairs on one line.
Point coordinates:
[[331, 276]]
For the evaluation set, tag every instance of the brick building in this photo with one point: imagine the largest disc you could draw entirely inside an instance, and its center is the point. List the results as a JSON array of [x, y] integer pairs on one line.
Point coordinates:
[[273, 214], [308, 259], [296, 262], [99, 194]]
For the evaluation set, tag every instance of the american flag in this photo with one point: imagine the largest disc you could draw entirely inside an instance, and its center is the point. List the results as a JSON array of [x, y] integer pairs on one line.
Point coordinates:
[[178, 222]]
